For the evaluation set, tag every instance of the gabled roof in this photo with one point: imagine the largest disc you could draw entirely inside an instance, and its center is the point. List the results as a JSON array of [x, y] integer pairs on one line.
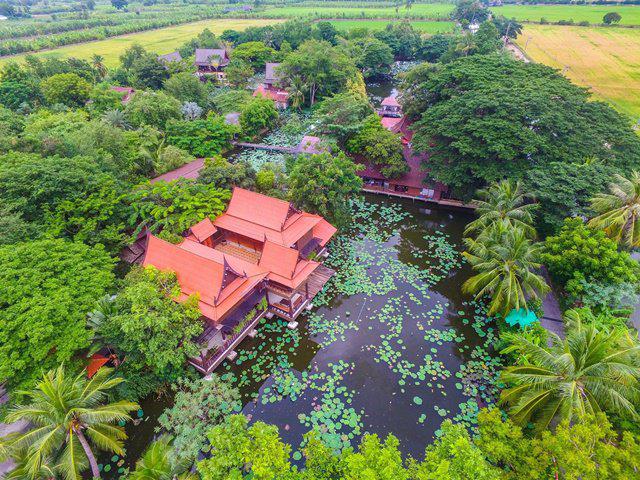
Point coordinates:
[[256, 208], [170, 57], [390, 102], [203, 229], [220, 281], [204, 56], [285, 265], [280, 96], [263, 218]]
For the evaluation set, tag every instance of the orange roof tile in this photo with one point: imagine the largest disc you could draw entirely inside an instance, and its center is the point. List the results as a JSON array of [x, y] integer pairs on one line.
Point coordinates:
[[285, 265], [96, 362], [203, 229], [204, 271], [279, 259], [324, 231], [263, 218], [254, 207]]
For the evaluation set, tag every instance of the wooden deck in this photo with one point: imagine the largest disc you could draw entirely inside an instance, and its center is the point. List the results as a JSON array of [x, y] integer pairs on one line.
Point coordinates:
[[447, 202], [318, 279]]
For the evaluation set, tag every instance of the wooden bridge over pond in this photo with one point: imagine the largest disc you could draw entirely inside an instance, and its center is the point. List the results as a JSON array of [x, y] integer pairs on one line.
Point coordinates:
[[270, 148]]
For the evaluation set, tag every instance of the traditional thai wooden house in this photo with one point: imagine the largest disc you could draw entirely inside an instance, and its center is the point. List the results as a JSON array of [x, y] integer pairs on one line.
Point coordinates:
[[271, 87], [390, 107], [211, 62], [258, 258]]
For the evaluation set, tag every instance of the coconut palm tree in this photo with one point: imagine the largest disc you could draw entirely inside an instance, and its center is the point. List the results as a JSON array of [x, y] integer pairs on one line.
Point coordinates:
[[619, 210], [158, 463], [503, 202], [116, 118], [69, 417], [97, 61], [588, 372], [297, 90], [505, 259]]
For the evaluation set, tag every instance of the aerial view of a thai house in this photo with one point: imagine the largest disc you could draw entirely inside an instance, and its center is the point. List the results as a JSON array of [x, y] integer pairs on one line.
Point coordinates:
[[211, 62], [259, 258]]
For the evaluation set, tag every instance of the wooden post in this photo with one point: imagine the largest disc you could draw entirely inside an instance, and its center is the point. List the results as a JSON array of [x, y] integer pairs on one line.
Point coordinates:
[[306, 290]]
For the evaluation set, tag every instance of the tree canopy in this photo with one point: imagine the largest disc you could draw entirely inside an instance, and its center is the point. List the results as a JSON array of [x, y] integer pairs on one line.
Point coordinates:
[[483, 118], [47, 287]]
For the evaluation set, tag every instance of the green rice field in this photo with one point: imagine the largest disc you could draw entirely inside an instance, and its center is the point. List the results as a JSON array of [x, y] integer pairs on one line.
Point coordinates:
[[422, 10], [423, 26], [578, 13], [162, 40]]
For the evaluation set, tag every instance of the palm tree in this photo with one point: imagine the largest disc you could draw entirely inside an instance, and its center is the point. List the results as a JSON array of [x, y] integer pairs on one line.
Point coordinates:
[[588, 372], [505, 259], [503, 202], [116, 118], [97, 61], [466, 44], [158, 463], [619, 210], [297, 90], [68, 416]]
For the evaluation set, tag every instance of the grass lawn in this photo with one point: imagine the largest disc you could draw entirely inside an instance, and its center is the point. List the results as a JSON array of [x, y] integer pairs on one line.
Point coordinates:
[[606, 60], [163, 40], [422, 10], [591, 13], [423, 26]]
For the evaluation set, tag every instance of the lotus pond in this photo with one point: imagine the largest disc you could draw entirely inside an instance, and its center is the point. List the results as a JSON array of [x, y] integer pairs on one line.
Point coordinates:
[[391, 345]]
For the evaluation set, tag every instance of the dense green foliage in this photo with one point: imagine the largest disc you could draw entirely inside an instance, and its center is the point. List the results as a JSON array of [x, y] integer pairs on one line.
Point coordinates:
[[579, 256], [47, 287], [483, 118], [587, 373], [323, 183], [380, 147], [198, 405], [202, 138], [151, 329]]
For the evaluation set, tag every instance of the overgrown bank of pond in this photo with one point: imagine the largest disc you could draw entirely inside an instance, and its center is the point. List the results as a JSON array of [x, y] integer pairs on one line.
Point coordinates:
[[390, 347]]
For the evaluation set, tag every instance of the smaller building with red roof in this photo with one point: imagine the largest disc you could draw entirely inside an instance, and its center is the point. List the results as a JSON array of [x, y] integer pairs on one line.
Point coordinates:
[[258, 258]]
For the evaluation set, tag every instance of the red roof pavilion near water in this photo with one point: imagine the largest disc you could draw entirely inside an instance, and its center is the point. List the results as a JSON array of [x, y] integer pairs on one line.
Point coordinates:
[[223, 279]]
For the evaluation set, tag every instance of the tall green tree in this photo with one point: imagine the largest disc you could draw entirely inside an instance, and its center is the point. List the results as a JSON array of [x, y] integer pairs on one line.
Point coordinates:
[[618, 212], [238, 448], [198, 405], [151, 329], [47, 287], [486, 117], [67, 88], [69, 419], [586, 373], [506, 262], [503, 202], [322, 68], [579, 256], [323, 184]]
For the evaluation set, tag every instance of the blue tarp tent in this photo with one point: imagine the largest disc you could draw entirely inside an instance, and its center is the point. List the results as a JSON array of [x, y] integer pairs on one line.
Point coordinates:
[[522, 317]]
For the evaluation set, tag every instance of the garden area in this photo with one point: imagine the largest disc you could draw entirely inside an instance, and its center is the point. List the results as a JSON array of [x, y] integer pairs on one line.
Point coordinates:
[[391, 345]]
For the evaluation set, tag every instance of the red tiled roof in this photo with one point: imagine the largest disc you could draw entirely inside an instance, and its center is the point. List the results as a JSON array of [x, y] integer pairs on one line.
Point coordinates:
[[392, 123], [96, 362], [189, 170], [261, 218], [203, 229], [204, 271], [390, 102], [285, 265], [281, 96]]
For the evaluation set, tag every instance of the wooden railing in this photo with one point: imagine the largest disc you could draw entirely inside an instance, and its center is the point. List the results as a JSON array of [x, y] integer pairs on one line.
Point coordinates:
[[208, 362]]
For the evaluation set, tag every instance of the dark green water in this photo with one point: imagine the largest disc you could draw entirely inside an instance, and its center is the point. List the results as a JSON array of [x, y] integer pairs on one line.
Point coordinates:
[[390, 351]]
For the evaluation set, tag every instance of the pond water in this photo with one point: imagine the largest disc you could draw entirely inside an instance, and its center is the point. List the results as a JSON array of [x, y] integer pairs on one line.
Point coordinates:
[[390, 347]]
